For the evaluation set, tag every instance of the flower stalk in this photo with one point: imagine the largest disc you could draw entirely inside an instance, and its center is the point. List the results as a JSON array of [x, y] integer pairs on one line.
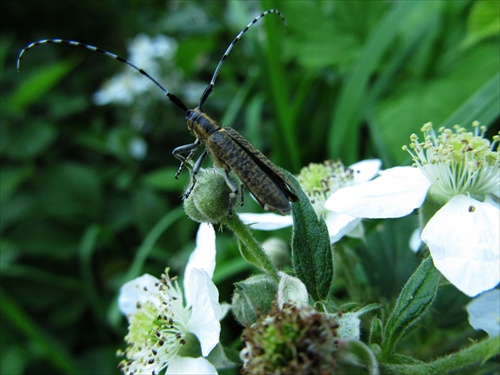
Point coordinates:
[[250, 248]]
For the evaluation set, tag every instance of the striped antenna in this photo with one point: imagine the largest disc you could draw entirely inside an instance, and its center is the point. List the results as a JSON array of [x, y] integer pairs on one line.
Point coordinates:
[[210, 87], [174, 99]]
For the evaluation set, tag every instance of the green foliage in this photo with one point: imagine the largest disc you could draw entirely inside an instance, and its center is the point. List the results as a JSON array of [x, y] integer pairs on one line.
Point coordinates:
[[311, 250], [81, 214], [414, 300]]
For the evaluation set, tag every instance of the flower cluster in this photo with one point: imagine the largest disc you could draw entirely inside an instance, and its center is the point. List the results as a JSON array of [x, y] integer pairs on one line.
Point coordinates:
[[291, 325], [455, 181]]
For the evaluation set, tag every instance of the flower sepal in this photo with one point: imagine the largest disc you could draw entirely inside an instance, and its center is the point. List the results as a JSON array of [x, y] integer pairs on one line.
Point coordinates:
[[191, 347], [253, 297]]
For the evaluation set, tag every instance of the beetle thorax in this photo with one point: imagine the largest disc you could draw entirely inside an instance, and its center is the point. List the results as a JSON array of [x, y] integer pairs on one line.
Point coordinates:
[[200, 124]]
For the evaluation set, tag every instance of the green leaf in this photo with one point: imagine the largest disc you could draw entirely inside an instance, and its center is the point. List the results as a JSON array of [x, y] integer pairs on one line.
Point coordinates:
[[415, 298], [11, 178], [483, 22], [219, 358], [376, 332], [453, 90], [163, 179], [27, 330], [476, 354], [311, 250], [40, 83], [481, 106], [69, 191], [352, 101], [26, 141], [357, 358]]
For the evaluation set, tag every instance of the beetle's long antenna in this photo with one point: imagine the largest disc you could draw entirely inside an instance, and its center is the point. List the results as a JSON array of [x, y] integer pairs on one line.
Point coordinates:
[[174, 99], [210, 87]]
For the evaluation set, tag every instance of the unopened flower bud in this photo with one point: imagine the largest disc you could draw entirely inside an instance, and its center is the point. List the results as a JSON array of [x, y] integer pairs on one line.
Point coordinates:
[[253, 297], [211, 200]]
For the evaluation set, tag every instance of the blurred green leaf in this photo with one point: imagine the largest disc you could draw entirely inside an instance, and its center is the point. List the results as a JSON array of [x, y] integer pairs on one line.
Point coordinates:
[[28, 331], [483, 22], [402, 113], [481, 106], [27, 141], [163, 179], [11, 178], [148, 209], [38, 83], [351, 104], [69, 191]]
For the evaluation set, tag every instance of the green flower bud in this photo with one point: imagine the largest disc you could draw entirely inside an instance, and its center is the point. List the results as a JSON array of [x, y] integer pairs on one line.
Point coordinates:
[[253, 298], [211, 200]]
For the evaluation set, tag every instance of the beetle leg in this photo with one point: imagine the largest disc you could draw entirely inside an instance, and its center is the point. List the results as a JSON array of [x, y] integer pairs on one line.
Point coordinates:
[[232, 194], [178, 151], [196, 169]]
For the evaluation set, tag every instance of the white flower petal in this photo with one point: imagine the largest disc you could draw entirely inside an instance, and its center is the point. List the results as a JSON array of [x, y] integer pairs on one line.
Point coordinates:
[[138, 291], [202, 257], [187, 365], [339, 225], [267, 221], [396, 193], [464, 241], [415, 240], [206, 311], [365, 170], [484, 312]]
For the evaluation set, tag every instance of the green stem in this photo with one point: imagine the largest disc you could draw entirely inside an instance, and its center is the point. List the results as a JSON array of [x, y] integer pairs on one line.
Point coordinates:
[[250, 249], [477, 352]]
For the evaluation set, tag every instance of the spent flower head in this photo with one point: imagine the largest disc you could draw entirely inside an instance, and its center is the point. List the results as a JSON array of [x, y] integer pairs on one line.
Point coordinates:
[[290, 340], [455, 181], [297, 339], [166, 330]]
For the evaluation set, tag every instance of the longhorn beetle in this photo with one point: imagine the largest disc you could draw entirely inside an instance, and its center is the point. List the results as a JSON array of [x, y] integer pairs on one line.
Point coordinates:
[[229, 149]]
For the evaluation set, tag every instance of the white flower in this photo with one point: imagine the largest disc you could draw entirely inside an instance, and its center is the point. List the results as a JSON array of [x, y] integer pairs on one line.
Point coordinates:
[[161, 324], [138, 148], [153, 55], [149, 52], [484, 312], [458, 176], [319, 181], [122, 89]]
